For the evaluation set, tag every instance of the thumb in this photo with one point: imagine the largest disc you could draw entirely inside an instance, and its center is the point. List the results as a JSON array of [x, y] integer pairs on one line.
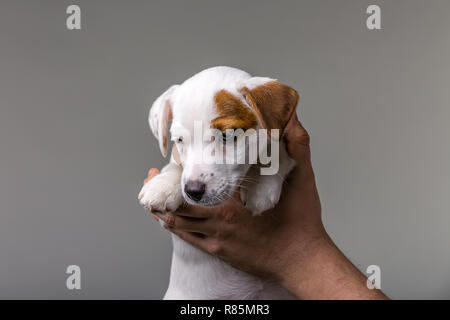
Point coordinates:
[[297, 140]]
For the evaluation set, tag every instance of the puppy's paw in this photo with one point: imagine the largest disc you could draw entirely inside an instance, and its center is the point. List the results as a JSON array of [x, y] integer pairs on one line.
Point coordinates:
[[161, 194], [262, 196]]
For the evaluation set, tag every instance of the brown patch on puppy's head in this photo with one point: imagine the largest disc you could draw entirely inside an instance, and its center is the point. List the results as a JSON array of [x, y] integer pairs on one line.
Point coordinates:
[[273, 102], [233, 113]]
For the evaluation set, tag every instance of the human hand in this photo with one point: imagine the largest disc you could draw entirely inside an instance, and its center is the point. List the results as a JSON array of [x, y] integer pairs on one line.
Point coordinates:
[[288, 243]]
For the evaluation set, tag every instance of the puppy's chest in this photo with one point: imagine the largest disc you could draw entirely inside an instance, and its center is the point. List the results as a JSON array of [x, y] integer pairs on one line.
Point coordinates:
[[199, 275]]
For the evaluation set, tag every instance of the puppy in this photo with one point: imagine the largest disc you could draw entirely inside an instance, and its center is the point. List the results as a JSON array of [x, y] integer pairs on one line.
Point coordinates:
[[232, 103]]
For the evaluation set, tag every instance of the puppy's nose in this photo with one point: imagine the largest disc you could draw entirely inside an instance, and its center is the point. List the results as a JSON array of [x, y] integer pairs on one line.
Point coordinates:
[[194, 189]]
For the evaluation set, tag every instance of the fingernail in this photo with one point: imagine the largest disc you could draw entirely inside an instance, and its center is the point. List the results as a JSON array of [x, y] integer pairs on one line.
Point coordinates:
[[155, 217]]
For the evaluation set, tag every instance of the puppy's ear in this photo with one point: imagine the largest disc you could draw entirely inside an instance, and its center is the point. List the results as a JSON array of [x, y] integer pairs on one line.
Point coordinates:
[[274, 103], [159, 117]]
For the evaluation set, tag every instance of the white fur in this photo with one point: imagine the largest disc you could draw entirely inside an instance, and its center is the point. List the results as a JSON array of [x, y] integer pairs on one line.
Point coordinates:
[[194, 273]]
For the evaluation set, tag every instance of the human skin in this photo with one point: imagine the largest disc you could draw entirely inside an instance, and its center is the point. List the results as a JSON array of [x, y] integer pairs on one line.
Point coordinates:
[[288, 243]]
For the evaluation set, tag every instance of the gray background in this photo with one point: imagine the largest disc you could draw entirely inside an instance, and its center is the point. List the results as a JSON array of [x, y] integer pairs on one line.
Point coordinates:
[[75, 144]]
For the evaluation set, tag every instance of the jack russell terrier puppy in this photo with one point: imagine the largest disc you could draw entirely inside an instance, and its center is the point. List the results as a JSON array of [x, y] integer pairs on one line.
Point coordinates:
[[233, 103]]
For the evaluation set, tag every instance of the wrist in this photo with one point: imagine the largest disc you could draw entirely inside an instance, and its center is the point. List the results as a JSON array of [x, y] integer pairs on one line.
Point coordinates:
[[299, 269], [322, 271]]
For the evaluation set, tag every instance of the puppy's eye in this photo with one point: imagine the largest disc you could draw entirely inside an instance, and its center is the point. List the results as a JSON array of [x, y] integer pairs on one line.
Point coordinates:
[[179, 140]]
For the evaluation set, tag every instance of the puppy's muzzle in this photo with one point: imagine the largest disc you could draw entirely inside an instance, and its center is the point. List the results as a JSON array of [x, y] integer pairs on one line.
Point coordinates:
[[195, 189]]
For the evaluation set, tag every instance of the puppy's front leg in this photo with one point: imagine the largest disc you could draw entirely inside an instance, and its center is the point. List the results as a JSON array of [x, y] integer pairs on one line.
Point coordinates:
[[265, 194], [163, 192], [262, 196]]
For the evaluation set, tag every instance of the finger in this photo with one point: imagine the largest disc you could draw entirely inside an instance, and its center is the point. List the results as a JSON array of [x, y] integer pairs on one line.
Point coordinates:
[[202, 226], [297, 139], [234, 205], [298, 146], [195, 211], [151, 174], [203, 243]]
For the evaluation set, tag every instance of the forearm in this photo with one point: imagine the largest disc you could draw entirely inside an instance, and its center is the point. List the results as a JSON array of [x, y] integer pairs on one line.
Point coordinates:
[[322, 271]]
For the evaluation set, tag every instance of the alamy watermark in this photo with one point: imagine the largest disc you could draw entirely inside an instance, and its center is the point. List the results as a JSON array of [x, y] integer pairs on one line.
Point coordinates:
[[73, 21], [232, 146], [374, 278], [73, 281], [373, 22]]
